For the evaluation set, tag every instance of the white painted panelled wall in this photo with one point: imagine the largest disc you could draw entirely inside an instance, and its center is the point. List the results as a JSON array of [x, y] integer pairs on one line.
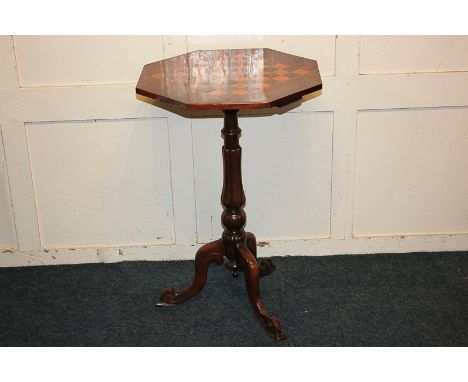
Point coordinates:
[[90, 173]]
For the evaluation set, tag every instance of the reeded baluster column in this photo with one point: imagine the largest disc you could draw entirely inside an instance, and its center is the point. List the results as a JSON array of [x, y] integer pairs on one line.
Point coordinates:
[[233, 217]]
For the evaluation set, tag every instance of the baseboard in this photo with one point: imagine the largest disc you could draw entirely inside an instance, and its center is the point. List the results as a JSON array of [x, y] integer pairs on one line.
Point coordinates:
[[318, 247]]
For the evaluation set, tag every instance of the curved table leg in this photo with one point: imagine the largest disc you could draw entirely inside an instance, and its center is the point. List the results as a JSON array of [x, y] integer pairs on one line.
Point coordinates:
[[251, 242], [266, 265], [211, 252], [252, 273]]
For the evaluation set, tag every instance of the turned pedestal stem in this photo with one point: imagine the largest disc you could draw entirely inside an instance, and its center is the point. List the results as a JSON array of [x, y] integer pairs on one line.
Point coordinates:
[[233, 218], [235, 244]]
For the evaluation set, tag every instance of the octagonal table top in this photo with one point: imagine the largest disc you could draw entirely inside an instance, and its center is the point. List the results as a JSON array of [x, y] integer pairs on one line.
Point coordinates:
[[230, 79]]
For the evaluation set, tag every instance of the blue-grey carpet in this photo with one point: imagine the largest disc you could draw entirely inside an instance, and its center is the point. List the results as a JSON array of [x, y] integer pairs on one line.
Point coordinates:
[[416, 299]]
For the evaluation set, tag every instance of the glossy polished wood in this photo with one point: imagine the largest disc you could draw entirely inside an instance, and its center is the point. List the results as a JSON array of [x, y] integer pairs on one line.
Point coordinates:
[[230, 79], [236, 245], [211, 252]]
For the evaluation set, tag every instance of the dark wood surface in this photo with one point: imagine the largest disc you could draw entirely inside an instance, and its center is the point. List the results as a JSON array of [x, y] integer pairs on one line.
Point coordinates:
[[236, 245], [230, 79]]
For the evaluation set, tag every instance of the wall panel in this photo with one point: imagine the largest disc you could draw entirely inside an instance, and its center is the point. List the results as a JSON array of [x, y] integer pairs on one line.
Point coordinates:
[[286, 170], [84, 60], [376, 163], [411, 172], [8, 75], [410, 54], [103, 183], [7, 223]]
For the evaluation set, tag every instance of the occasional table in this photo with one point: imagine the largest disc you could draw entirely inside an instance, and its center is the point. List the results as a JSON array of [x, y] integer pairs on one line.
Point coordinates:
[[230, 80]]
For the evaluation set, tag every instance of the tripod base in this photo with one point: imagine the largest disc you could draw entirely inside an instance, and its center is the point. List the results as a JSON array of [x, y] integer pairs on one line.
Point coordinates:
[[244, 253]]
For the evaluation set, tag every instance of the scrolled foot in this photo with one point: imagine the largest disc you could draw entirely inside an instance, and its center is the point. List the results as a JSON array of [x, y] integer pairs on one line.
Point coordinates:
[[209, 253], [167, 297], [273, 326], [266, 267], [252, 273]]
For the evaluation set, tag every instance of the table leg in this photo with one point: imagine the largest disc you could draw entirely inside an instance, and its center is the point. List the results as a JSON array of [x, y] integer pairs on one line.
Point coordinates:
[[235, 244], [234, 218], [252, 273], [211, 252], [266, 265]]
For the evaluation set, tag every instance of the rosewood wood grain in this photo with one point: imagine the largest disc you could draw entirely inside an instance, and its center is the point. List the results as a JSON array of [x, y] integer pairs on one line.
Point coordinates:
[[235, 245], [211, 252], [230, 80], [252, 274]]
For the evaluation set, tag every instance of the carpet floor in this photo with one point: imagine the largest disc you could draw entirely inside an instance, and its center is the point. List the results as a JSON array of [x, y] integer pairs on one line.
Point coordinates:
[[416, 299]]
